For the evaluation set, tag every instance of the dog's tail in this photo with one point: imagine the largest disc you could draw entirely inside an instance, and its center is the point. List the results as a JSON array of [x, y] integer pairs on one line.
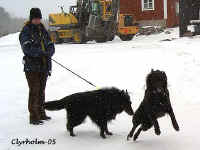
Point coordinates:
[[55, 105]]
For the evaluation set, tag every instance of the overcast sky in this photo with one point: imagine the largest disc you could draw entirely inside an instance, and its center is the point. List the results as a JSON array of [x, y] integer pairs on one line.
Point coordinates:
[[21, 8]]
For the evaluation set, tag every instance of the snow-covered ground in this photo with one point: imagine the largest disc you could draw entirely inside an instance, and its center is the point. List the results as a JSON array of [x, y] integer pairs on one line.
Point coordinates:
[[121, 64]]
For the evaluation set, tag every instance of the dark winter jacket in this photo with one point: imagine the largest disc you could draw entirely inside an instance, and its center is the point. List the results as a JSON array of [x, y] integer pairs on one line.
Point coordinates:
[[37, 48]]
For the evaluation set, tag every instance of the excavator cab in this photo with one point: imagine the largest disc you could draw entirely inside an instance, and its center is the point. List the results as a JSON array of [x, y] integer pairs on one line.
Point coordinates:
[[101, 20], [95, 19], [96, 8]]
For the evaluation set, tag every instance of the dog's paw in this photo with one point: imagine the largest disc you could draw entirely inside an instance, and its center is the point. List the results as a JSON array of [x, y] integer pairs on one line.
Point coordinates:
[[72, 135], [128, 137], [103, 136], [135, 138], [176, 128], [157, 132], [109, 133]]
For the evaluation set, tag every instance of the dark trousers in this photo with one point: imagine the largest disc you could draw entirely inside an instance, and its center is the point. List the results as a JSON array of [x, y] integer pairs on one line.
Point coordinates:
[[37, 83]]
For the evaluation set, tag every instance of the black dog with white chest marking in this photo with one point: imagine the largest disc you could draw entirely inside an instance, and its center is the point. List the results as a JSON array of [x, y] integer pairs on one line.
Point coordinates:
[[156, 104], [101, 106]]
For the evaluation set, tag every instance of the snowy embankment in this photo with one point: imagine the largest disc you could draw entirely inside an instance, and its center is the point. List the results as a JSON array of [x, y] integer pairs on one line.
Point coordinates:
[[121, 64]]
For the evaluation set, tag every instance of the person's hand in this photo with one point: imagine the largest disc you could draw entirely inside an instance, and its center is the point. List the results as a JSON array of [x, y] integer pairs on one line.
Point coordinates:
[[46, 53], [41, 53]]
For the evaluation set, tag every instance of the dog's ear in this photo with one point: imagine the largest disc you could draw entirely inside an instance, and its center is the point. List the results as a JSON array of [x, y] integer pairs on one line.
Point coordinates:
[[126, 91], [165, 76], [152, 70], [163, 73]]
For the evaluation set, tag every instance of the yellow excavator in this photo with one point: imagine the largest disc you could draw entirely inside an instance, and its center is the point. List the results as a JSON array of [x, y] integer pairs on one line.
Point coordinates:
[[98, 20], [64, 27], [127, 28]]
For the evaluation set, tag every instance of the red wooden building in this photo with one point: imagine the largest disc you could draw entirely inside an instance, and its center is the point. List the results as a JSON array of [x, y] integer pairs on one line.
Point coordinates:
[[152, 12]]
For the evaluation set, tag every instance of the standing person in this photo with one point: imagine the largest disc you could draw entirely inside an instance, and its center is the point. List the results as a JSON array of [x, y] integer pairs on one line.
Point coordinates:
[[38, 50]]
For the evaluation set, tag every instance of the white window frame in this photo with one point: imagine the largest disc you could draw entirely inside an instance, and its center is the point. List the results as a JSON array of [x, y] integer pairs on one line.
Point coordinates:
[[165, 9], [177, 8], [145, 9]]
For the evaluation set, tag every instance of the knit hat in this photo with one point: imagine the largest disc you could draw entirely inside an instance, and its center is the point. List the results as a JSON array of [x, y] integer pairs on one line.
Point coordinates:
[[35, 13]]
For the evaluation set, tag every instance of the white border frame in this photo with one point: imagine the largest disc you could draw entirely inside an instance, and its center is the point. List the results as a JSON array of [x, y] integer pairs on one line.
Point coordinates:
[[145, 9], [165, 9]]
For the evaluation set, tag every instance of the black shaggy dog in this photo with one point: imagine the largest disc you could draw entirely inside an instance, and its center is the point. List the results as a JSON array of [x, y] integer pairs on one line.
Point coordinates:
[[156, 104], [101, 106]]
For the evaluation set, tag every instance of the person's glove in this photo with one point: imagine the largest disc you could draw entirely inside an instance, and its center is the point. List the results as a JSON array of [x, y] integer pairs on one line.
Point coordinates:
[[46, 53]]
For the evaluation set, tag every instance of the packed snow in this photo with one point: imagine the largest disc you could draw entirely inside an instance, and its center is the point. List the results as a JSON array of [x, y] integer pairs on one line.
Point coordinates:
[[117, 63]]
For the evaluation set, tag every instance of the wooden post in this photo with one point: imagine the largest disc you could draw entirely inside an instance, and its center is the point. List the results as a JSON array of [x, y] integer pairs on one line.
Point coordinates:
[[182, 15], [185, 15]]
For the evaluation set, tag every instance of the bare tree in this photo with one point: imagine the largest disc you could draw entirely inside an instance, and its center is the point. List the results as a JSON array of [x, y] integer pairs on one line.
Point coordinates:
[[9, 24]]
